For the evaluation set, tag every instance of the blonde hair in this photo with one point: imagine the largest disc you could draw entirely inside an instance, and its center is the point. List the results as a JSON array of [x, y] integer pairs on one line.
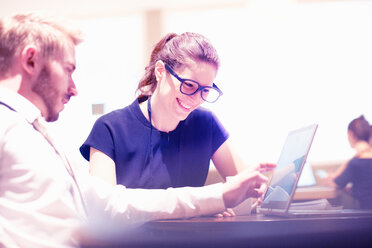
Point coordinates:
[[46, 33]]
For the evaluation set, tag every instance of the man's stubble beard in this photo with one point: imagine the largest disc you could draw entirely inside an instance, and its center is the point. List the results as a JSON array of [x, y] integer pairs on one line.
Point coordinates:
[[45, 89]]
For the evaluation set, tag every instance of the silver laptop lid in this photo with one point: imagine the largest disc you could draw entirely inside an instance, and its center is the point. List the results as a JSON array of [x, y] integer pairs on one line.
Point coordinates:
[[282, 185]]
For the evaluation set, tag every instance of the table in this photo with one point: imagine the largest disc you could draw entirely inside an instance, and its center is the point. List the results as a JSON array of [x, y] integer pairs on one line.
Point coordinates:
[[251, 231]]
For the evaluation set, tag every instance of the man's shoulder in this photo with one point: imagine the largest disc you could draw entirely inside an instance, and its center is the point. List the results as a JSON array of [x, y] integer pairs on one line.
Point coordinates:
[[8, 116], [10, 120]]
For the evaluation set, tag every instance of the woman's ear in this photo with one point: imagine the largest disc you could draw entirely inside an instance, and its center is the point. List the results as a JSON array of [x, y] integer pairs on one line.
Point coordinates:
[[159, 70], [29, 59]]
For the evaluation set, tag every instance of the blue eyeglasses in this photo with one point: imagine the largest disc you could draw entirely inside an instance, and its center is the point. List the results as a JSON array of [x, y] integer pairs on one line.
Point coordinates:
[[190, 87]]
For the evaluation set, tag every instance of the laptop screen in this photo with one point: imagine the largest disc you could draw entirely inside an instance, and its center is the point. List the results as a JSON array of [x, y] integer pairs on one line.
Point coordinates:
[[288, 170]]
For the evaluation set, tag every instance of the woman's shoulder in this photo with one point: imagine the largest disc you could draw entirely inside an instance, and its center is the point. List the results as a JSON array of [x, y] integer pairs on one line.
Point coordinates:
[[200, 115], [114, 114], [128, 116], [131, 108], [201, 112], [360, 160]]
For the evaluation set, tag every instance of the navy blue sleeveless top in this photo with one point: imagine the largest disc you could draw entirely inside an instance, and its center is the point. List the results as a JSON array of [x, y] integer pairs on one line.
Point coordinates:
[[148, 158]]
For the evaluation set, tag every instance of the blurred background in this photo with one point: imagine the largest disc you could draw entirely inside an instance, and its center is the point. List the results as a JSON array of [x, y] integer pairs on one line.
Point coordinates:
[[284, 64]]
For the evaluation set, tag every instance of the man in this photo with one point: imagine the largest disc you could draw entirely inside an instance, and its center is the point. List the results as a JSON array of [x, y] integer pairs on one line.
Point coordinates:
[[44, 202]]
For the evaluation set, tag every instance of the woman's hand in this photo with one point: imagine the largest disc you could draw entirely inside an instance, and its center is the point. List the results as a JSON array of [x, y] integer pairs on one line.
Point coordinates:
[[229, 212]]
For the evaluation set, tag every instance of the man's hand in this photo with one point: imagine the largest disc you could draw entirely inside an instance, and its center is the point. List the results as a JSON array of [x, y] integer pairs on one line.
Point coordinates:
[[265, 167], [242, 186]]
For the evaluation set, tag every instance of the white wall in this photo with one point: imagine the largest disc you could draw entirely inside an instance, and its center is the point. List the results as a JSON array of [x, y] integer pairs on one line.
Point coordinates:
[[287, 65], [284, 65], [109, 65]]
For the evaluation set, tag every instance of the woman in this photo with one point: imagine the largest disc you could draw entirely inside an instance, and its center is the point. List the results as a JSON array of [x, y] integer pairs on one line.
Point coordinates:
[[164, 138], [358, 170]]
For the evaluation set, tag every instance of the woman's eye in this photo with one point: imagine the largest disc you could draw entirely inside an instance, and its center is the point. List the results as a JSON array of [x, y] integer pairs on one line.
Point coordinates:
[[190, 85]]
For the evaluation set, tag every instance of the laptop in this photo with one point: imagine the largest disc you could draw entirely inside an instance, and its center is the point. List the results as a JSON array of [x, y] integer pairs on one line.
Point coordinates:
[[309, 184], [282, 186]]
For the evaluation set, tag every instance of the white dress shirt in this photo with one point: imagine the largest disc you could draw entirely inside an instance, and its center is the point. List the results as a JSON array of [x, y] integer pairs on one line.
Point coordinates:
[[42, 205]]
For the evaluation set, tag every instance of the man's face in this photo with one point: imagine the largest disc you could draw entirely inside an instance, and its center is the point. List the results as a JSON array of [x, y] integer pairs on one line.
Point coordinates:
[[54, 84]]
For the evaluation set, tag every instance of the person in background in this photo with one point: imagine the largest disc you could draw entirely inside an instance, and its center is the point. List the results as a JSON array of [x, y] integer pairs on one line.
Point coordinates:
[[358, 170], [45, 201], [164, 138]]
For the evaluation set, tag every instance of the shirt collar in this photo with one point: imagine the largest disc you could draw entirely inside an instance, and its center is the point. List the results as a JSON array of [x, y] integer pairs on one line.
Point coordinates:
[[20, 104]]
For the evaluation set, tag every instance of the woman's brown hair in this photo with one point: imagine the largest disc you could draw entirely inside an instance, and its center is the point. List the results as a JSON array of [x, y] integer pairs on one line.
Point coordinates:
[[360, 128]]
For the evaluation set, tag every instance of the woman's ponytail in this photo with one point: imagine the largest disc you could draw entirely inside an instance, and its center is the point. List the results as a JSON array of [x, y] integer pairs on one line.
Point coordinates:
[[148, 83]]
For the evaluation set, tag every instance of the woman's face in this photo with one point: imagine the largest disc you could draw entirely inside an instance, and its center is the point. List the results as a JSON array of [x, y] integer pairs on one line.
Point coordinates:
[[177, 104]]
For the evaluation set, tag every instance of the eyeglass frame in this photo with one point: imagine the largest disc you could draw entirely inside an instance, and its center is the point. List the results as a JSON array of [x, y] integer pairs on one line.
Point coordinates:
[[200, 88]]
